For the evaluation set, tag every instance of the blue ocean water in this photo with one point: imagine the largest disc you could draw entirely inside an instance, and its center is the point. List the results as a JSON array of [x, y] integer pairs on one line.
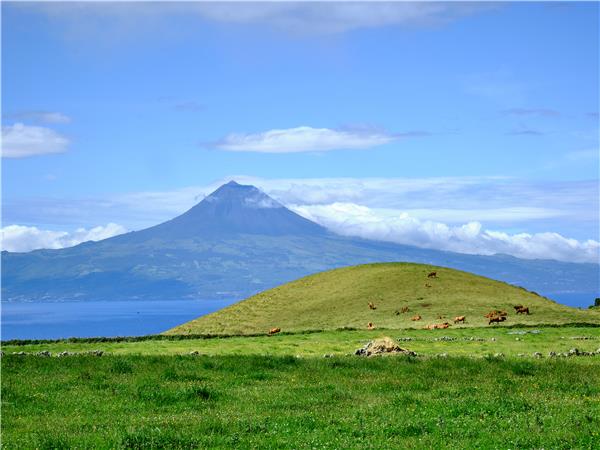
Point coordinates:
[[54, 320]]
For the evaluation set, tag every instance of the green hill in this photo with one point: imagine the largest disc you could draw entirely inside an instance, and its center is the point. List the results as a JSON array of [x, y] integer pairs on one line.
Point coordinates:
[[339, 298]]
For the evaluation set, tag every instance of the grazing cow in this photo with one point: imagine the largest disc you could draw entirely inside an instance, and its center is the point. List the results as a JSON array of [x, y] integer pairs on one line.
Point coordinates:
[[429, 327], [273, 331], [496, 319], [370, 326], [517, 307], [415, 318], [432, 275], [495, 313], [404, 309], [372, 305], [458, 319], [442, 325], [523, 310]]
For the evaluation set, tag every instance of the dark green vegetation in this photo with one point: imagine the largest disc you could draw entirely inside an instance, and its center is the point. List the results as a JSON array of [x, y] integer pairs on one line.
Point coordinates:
[[339, 298], [286, 402], [237, 242]]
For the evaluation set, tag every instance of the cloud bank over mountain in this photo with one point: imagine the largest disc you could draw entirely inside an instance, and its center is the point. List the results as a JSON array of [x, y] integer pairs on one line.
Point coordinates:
[[350, 219], [18, 238]]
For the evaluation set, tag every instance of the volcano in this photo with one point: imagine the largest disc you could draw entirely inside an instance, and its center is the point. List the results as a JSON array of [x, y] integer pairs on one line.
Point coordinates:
[[238, 241]]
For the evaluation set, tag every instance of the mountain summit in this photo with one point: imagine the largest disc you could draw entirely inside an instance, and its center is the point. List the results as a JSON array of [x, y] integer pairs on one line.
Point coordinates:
[[238, 241], [234, 209]]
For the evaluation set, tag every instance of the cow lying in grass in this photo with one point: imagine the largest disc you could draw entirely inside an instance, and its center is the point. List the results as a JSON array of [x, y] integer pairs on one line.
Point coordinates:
[[496, 319], [520, 309], [370, 326], [372, 305], [432, 275], [435, 326], [460, 319], [415, 318], [273, 331]]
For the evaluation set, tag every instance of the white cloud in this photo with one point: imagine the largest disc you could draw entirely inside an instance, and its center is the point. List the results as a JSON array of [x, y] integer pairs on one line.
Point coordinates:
[[300, 18], [304, 139], [18, 238], [583, 155], [21, 141], [337, 17], [42, 117], [540, 112], [355, 220]]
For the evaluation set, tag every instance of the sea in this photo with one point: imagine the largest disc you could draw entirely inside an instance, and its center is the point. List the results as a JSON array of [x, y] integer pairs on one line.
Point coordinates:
[[58, 320]]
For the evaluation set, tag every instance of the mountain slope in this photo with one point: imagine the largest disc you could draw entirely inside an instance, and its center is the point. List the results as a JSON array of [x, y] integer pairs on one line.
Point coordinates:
[[339, 298], [236, 242]]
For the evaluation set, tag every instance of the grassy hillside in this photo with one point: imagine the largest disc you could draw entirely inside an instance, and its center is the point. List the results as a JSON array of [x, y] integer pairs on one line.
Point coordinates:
[[339, 298]]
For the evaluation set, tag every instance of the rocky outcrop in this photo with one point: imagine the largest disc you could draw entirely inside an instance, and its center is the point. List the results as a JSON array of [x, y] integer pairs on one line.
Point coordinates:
[[383, 346]]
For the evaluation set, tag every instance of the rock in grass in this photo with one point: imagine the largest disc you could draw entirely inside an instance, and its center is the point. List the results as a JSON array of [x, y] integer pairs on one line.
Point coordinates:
[[552, 355], [537, 355], [44, 353], [382, 346], [574, 352]]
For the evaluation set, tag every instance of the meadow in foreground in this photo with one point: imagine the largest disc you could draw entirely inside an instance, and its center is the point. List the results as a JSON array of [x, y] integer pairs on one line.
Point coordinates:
[[137, 401], [453, 341]]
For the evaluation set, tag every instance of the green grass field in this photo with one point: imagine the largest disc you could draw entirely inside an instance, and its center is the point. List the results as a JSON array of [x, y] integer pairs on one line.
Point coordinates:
[[470, 386], [135, 401], [456, 342], [339, 298]]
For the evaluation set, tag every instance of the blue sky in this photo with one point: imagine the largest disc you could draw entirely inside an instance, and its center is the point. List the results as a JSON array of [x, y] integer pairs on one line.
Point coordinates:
[[128, 113]]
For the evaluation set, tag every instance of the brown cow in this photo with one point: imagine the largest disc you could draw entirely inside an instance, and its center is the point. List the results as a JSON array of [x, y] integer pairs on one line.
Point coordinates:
[[523, 310], [435, 326], [372, 305], [432, 275], [404, 309], [370, 326], [496, 319], [458, 319], [273, 331], [415, 318], [495, 312]]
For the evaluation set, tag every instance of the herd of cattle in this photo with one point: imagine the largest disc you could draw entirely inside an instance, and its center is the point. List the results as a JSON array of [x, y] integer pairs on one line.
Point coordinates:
[[494, 316]]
